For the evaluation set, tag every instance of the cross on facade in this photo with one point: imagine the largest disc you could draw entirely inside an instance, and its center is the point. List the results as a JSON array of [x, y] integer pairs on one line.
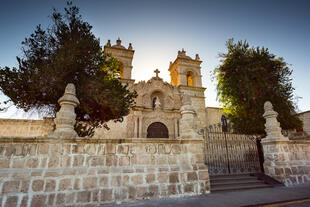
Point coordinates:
[[156, 71]]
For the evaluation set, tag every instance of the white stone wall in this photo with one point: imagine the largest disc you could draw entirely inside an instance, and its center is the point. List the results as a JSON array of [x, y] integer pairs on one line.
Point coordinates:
[[26, 127], [213, 115]]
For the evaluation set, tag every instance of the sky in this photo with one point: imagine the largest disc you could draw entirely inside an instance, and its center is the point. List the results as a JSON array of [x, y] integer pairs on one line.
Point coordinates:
[[157, 29]]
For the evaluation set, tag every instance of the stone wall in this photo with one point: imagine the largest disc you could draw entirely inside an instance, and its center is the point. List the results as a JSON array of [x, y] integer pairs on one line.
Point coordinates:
[[26, 127], [305, 117], [288, 161], [285, 160], [213, 115], [88, 172]]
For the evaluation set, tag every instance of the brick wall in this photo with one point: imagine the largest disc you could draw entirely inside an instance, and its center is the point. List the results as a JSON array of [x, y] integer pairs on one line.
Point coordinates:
[[26, 127], [88, 172], [288, 161]]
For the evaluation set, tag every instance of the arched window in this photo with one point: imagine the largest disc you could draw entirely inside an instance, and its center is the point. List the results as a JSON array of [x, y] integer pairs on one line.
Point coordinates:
[[153, 102], [190, 78], [120, 72]]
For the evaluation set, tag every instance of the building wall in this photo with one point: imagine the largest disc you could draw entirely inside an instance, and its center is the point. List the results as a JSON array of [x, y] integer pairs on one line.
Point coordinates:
[[198, 102], [26, 127], [89, 172], [213, 115], [116, 129], [305, 117]]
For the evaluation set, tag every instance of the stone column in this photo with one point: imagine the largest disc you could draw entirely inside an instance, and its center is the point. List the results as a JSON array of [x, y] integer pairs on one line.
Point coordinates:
[[140, 126], [175, 128], [65, 117], [188, 127], [136, 128]]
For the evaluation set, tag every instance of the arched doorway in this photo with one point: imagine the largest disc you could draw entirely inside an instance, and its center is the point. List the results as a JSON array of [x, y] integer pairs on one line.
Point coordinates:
[[157, 130]]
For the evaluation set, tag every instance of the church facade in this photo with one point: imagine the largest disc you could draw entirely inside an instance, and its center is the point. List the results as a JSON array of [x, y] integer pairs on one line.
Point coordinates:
[[157, 112]]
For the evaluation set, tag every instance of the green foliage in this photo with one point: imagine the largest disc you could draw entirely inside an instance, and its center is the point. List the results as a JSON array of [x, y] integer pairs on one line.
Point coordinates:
[[247, 78], [67, 52]]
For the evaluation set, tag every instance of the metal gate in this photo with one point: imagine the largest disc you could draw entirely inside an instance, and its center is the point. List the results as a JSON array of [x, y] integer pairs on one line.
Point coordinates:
[[231, 153]]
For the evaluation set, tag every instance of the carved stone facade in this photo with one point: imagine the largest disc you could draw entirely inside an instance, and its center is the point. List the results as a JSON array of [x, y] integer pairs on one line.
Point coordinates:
[[158, 101]]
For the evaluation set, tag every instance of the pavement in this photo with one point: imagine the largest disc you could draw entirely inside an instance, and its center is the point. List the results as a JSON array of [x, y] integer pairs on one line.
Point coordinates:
[[295, 196]]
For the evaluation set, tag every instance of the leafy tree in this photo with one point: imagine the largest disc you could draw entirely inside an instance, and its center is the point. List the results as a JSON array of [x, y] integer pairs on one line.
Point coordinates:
[[67, 52], [247, 77]]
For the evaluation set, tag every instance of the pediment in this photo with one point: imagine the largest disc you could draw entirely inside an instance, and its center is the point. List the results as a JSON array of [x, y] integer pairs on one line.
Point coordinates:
[[169, 95]]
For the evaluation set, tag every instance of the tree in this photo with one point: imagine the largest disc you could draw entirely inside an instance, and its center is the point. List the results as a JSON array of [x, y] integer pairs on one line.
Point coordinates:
[[247, 77], [67, 52]]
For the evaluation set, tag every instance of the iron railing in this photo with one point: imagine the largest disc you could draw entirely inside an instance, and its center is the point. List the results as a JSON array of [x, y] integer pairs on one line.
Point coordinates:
[[231, 153]]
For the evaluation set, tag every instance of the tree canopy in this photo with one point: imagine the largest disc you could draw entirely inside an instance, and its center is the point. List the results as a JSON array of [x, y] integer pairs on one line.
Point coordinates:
[[247, 77], [67, 52]]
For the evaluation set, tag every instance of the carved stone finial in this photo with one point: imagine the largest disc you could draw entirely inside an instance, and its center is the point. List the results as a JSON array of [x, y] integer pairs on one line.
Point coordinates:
[[118, 42], [108, 43], [182, 53], [197, 57], [65, 117], [130, 46], [268, 106], [272, 126]]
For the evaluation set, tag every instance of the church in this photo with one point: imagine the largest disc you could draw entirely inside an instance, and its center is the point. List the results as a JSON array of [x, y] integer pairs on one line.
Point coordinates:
[[157, 112]]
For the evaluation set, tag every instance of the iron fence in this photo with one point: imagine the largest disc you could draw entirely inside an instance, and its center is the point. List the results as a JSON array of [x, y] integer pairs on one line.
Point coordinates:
[[231, 153]]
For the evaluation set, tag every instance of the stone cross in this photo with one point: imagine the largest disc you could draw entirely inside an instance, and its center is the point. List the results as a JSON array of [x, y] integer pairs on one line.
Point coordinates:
[[156, 71]]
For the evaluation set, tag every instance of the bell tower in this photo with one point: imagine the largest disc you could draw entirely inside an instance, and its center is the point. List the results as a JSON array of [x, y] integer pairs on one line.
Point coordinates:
[[185, 71], [185, 74], [123, 55]]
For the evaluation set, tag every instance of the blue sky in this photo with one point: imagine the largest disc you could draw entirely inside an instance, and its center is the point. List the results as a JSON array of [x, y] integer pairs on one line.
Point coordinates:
[[158, 29]]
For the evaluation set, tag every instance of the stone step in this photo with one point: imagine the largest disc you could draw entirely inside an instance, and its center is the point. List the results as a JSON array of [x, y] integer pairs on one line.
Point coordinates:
[[236, 182], [231, 175], [219, 189], [232, 178]]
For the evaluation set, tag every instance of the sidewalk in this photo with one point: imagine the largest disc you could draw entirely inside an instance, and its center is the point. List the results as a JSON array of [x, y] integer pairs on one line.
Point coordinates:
[[231, 199]]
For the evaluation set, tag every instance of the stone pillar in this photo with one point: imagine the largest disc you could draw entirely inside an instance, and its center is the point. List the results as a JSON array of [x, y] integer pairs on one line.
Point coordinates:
[[188, 127], [140, 126], [275, 146], [65, 117], [175, 128], [272, 126], [136, 127]]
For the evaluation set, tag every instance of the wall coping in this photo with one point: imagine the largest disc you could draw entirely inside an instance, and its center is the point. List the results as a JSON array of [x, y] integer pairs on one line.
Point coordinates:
[[272, 142], [53, 140], [3, 120]]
